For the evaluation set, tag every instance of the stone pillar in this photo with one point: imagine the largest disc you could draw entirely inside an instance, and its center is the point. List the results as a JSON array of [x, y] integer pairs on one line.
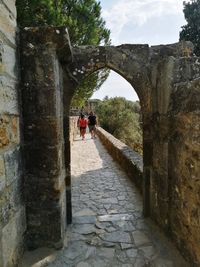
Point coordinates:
[[44, 145], [147, 161], [162, 78]]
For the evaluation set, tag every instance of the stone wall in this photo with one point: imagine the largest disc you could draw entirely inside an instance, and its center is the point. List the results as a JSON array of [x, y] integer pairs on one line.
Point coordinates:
[[175, 180], [128, 159], [12, 210]]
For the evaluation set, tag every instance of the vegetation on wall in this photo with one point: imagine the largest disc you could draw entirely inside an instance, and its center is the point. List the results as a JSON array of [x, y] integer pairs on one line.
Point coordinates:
[[191, 31], [85, 26], [121, 118]]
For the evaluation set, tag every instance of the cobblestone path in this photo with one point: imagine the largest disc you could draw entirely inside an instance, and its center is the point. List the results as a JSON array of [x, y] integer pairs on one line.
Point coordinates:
[[108, 227]]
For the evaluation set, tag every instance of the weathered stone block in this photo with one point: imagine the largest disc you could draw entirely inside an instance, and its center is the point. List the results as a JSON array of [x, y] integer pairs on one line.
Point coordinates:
[[43, 162], [10, 5], [185, 97], [9, 130], [41, 102], [8, 96], [46, 131], [44, 226], [8, 23], [12, 165], [7, 59], [12, 238], [39, 192], [11, 201], [186, 69], [2, 174]]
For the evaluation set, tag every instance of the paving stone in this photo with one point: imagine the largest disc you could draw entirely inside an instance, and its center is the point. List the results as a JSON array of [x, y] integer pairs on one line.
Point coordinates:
[[75, 250], [140, 238], [110, 229], [106, 252], [83, 264], [126, 226], [114, 217], [132, 253], [163, 263], [121, 237], [84, 219], [139, 262], [149, 252], [91, 252], [84, 229], [102, 225], [84, 212], [109, 200], [99, 263], [126, 246]]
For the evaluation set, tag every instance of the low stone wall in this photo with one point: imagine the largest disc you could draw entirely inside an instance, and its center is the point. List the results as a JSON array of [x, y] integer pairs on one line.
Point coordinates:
[[128, 159]]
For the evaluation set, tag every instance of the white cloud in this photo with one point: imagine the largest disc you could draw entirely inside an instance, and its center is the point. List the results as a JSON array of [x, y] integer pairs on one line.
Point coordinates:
[[137, 13]]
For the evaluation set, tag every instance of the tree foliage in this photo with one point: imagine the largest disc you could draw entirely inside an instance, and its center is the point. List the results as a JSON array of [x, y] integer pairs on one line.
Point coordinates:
[[121, 118], [85, 26], [191, 31]]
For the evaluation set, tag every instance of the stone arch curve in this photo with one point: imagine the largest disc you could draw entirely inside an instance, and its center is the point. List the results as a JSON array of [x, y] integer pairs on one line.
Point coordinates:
[[129, 61]]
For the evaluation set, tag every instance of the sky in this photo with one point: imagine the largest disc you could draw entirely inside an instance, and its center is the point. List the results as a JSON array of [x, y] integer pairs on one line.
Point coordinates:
[[150, 22]]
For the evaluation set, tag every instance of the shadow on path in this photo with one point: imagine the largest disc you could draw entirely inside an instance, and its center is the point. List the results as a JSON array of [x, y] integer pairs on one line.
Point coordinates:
[[108, 227]]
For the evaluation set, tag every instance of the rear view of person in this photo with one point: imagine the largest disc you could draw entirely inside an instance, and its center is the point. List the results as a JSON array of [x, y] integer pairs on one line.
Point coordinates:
[[83, 126], [92, 122]]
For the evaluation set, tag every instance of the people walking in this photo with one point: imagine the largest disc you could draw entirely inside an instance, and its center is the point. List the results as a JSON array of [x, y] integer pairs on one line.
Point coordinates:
[[92, 122]]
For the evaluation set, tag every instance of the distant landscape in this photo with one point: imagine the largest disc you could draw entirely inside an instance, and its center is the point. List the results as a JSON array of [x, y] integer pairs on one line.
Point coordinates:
[[121, 118]]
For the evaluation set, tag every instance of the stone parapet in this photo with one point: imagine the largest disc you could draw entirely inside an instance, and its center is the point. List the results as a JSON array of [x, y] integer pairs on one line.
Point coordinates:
[[128, 159]]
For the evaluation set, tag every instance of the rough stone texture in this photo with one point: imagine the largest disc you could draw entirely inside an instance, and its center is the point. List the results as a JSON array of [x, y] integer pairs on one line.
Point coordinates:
[[166, 79], [129, 160], [44, 145], [12, 210]]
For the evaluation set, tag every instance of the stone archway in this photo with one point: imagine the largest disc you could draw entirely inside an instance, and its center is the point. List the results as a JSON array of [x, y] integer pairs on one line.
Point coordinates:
[[129, 61], [167, 81]]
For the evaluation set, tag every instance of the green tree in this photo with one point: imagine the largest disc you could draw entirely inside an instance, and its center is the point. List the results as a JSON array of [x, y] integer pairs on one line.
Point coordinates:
[[85, 25], [191, 31], [121, 118]]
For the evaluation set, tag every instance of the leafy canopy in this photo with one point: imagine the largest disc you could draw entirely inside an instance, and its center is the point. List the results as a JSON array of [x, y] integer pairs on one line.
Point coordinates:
[[191, 31], [85, 25], [121, 118]]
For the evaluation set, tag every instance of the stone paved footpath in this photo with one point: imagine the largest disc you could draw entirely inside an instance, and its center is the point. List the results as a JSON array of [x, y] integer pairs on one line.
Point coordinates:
[[108, 227]]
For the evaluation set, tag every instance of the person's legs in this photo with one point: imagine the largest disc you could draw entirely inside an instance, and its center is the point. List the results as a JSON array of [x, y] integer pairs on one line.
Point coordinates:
[[90, 130], [82, 132], [94, 130]]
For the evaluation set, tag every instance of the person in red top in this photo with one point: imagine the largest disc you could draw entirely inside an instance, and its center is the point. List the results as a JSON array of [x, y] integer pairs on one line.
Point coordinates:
[[83, 125]]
